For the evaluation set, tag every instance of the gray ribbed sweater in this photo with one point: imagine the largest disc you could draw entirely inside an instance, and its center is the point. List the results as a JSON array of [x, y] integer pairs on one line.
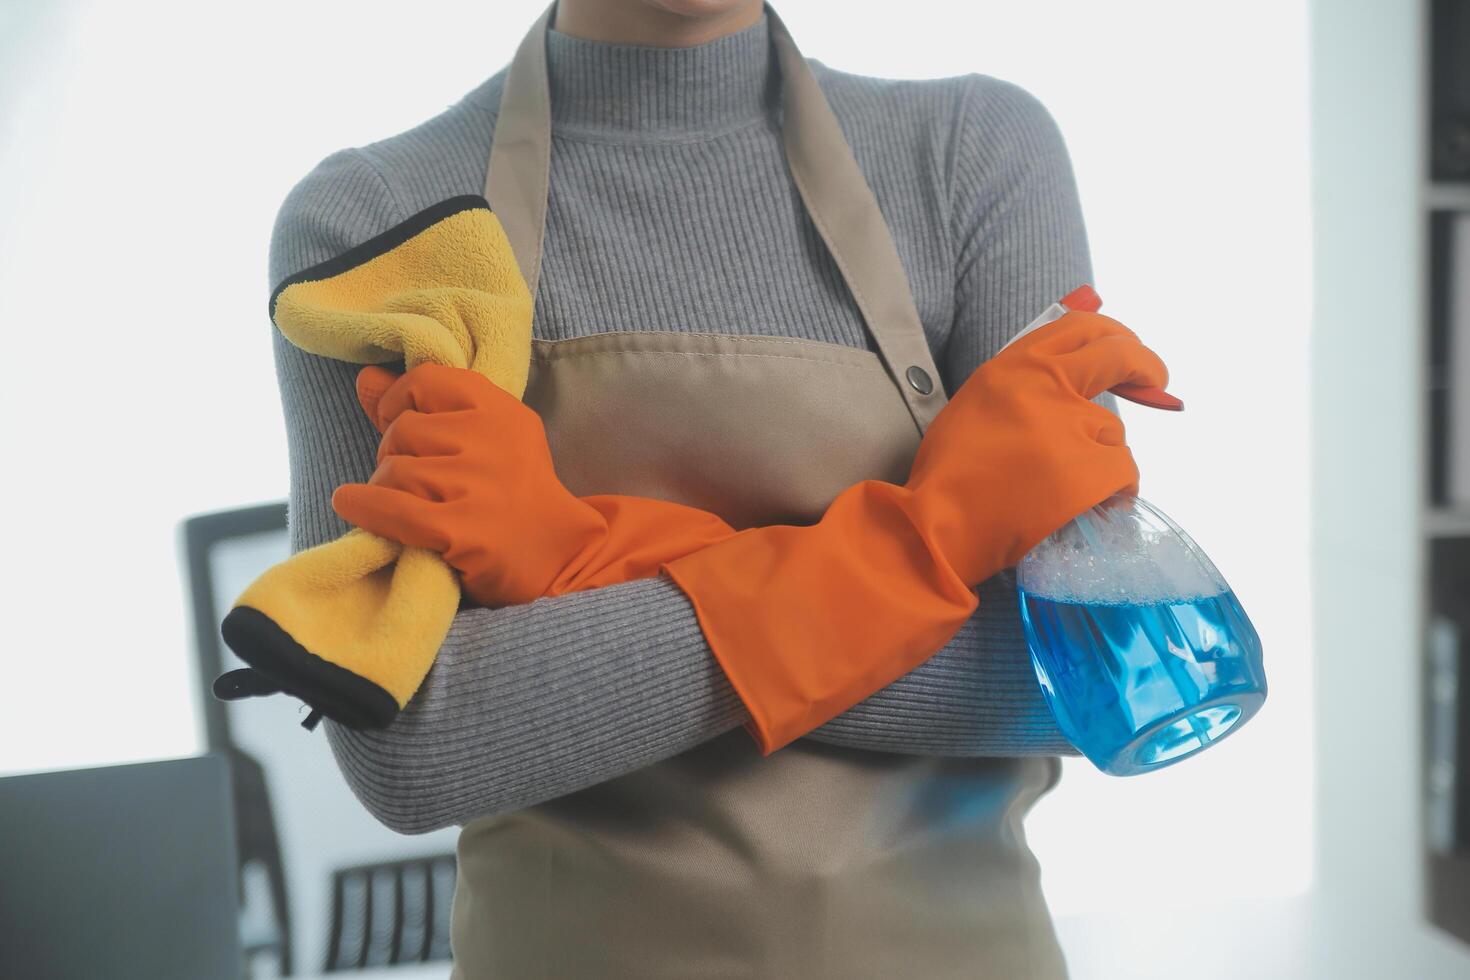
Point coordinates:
[[671, 209]]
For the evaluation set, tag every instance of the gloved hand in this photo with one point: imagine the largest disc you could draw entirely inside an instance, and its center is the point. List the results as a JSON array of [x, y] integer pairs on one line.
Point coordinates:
[[1021, 449], [464, 469], [807, 621]]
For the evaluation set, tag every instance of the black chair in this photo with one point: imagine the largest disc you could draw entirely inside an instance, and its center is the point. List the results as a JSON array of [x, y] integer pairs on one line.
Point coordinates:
[[384, 914], [299, 825], [255, 823]]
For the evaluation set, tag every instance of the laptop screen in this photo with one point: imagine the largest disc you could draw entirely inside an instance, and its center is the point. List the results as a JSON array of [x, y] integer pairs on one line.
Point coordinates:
[[121, 871]]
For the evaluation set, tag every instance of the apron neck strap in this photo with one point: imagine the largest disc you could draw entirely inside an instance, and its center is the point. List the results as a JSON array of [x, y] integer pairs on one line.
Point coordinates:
[[826, 174]]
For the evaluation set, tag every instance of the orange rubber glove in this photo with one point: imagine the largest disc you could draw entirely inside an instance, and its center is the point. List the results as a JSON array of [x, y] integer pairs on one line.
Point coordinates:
[[808, 621], [464, 469]]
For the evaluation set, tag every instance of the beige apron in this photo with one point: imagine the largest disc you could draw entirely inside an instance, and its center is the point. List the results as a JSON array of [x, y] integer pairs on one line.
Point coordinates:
[[817, 861]]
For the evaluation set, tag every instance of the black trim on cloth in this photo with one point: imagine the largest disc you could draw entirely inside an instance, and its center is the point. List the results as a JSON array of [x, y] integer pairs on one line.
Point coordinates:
[[246, 682], [381, 244], [329, 689]]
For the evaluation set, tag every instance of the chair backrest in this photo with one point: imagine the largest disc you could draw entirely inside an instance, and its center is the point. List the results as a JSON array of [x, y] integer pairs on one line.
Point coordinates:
[[316, 825], [385, 914]]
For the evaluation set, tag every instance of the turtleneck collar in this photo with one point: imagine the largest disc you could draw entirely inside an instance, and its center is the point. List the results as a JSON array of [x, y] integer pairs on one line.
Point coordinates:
[[628, 91]]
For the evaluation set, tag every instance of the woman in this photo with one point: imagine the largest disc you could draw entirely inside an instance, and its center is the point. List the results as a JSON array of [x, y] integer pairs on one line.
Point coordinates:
[[618, 822]]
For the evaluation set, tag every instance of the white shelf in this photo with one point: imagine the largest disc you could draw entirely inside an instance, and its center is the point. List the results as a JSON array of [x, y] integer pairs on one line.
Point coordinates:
[[1447, 197], [1446, 522]]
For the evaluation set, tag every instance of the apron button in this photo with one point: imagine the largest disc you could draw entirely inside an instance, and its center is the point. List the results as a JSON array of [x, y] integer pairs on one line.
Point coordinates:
[[920, 379]]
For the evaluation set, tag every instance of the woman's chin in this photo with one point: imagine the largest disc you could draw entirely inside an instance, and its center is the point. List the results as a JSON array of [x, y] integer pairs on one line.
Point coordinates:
[[699, 8]]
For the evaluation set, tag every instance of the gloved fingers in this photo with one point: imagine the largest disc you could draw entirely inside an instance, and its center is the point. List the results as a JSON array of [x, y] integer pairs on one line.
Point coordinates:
[[1112, 470], [1112, 359], [372, 382], [1102, 426], [1072, 332], [1125, 465], [436, 479], [426, 388], [393, 514], [426, 434], [437, 388]]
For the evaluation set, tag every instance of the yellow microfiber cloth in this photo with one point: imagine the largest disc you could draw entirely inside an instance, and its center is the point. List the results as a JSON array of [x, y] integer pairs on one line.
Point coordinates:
[[352, 626]]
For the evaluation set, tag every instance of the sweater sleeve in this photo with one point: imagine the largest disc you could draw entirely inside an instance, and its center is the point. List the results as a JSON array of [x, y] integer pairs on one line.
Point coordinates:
[[1020, 245]]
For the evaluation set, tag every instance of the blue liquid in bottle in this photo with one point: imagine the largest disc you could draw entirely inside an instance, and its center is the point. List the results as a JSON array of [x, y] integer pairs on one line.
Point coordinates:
[[1140, 686]]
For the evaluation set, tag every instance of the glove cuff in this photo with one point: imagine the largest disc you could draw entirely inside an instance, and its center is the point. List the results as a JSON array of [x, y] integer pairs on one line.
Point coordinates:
[[808, 621]]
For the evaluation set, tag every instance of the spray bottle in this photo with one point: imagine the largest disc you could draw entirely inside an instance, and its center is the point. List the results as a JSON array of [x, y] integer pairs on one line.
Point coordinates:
[[1141, 647]]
